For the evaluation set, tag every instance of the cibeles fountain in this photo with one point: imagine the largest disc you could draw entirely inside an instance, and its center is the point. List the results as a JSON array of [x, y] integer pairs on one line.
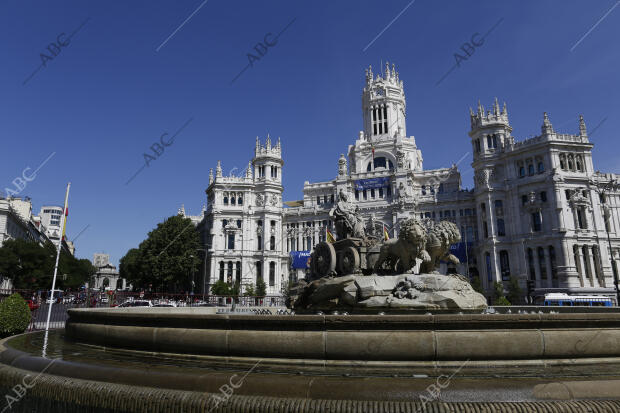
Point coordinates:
[[362, 271], [375, 329]]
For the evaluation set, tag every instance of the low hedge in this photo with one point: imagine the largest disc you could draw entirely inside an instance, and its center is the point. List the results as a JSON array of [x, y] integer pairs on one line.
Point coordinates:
[[14, 315]]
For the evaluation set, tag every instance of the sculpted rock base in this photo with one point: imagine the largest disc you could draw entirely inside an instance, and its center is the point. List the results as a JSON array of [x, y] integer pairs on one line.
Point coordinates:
[[404, 291]]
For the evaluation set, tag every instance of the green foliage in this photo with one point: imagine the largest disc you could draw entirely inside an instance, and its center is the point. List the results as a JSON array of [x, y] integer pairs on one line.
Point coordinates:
[[14, 315], [166, 258], [498, 294], [502, 301], [515, 293], [31, 266], [220, 288], [261, 288], [249, 291], [477, 285]]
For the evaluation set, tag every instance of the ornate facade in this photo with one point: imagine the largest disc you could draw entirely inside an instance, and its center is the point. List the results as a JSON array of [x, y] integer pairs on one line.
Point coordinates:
[[538, 212]]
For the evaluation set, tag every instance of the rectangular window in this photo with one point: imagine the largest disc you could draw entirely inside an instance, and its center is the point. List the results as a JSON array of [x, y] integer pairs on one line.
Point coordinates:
[[272, 274], [536, 222], [318, 200], [357, 195], [231, 241], [380, 192], [372, 193]]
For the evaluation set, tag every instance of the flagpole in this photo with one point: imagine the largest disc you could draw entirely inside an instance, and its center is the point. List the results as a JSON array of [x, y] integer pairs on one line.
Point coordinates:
[[63, 221]]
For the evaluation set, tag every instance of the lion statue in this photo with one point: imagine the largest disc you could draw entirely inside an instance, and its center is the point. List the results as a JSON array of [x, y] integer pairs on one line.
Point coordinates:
[[439, 237], [401, 253]]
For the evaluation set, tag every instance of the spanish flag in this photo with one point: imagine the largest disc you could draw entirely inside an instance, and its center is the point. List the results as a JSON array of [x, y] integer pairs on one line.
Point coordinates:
[[329, 237], [386, 234]]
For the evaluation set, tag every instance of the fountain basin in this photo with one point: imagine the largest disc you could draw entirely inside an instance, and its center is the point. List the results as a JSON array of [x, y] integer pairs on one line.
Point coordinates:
[[319, 339], [179, 359]]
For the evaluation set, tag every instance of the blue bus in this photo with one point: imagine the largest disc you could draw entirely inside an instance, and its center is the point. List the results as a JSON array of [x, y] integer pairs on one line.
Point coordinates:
[[556, 299]]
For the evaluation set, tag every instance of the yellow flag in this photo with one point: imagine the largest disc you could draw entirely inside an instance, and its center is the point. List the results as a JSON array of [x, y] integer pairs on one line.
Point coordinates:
[[386, 234], [329, 237]]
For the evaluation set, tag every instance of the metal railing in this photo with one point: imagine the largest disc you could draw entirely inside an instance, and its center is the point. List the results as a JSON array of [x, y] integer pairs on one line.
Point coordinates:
[[38, 302]]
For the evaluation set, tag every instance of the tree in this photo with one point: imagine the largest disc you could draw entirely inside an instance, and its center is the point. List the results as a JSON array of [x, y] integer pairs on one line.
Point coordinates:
[[477, 285], [515, 293], [31, 266], [220, 288], [261, 288], [498, 294], [249, 291], [166, 258], [130, 268]]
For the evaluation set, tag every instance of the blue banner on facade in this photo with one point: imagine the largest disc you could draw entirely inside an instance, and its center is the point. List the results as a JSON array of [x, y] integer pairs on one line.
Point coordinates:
[[301, 259], [461, 250], [371, 183]]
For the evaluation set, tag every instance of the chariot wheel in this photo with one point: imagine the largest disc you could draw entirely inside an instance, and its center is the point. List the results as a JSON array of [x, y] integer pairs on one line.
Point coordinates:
[[349, 261], [324, 259]]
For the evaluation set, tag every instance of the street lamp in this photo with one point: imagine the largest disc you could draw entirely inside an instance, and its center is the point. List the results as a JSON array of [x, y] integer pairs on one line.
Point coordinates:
[[602, 189], [192, 257]]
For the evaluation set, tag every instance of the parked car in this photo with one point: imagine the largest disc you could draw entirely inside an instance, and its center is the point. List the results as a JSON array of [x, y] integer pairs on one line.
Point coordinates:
[[137, 303], [32, 305]]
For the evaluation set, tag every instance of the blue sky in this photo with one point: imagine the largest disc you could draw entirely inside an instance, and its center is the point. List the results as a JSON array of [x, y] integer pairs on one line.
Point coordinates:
[[109, 94]]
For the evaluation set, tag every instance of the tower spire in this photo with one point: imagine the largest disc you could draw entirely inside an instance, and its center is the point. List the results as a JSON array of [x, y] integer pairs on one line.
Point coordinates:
[[496, 107], [268, 143], [218, 170], [210, 176], [248, 172], [582, 127], [547, 127]]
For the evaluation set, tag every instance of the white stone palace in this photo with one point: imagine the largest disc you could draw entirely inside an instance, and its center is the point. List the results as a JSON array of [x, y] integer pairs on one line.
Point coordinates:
[[539, 212]]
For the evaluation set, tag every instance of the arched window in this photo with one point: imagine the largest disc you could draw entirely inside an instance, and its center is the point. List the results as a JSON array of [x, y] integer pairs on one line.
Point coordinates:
[[504, 265], [579, 163], [221, 270], [225, 200], [541, 263], [541, 167], [521, 171], [530, 263], [562, 162], [240, 201], [423, 189], [238, 273], [272, 243], [259, 271], [259, 240], [272, 274], [232, 199], [586, 258], [485, 227], [229, 273], [570, 162], [530, 169]]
